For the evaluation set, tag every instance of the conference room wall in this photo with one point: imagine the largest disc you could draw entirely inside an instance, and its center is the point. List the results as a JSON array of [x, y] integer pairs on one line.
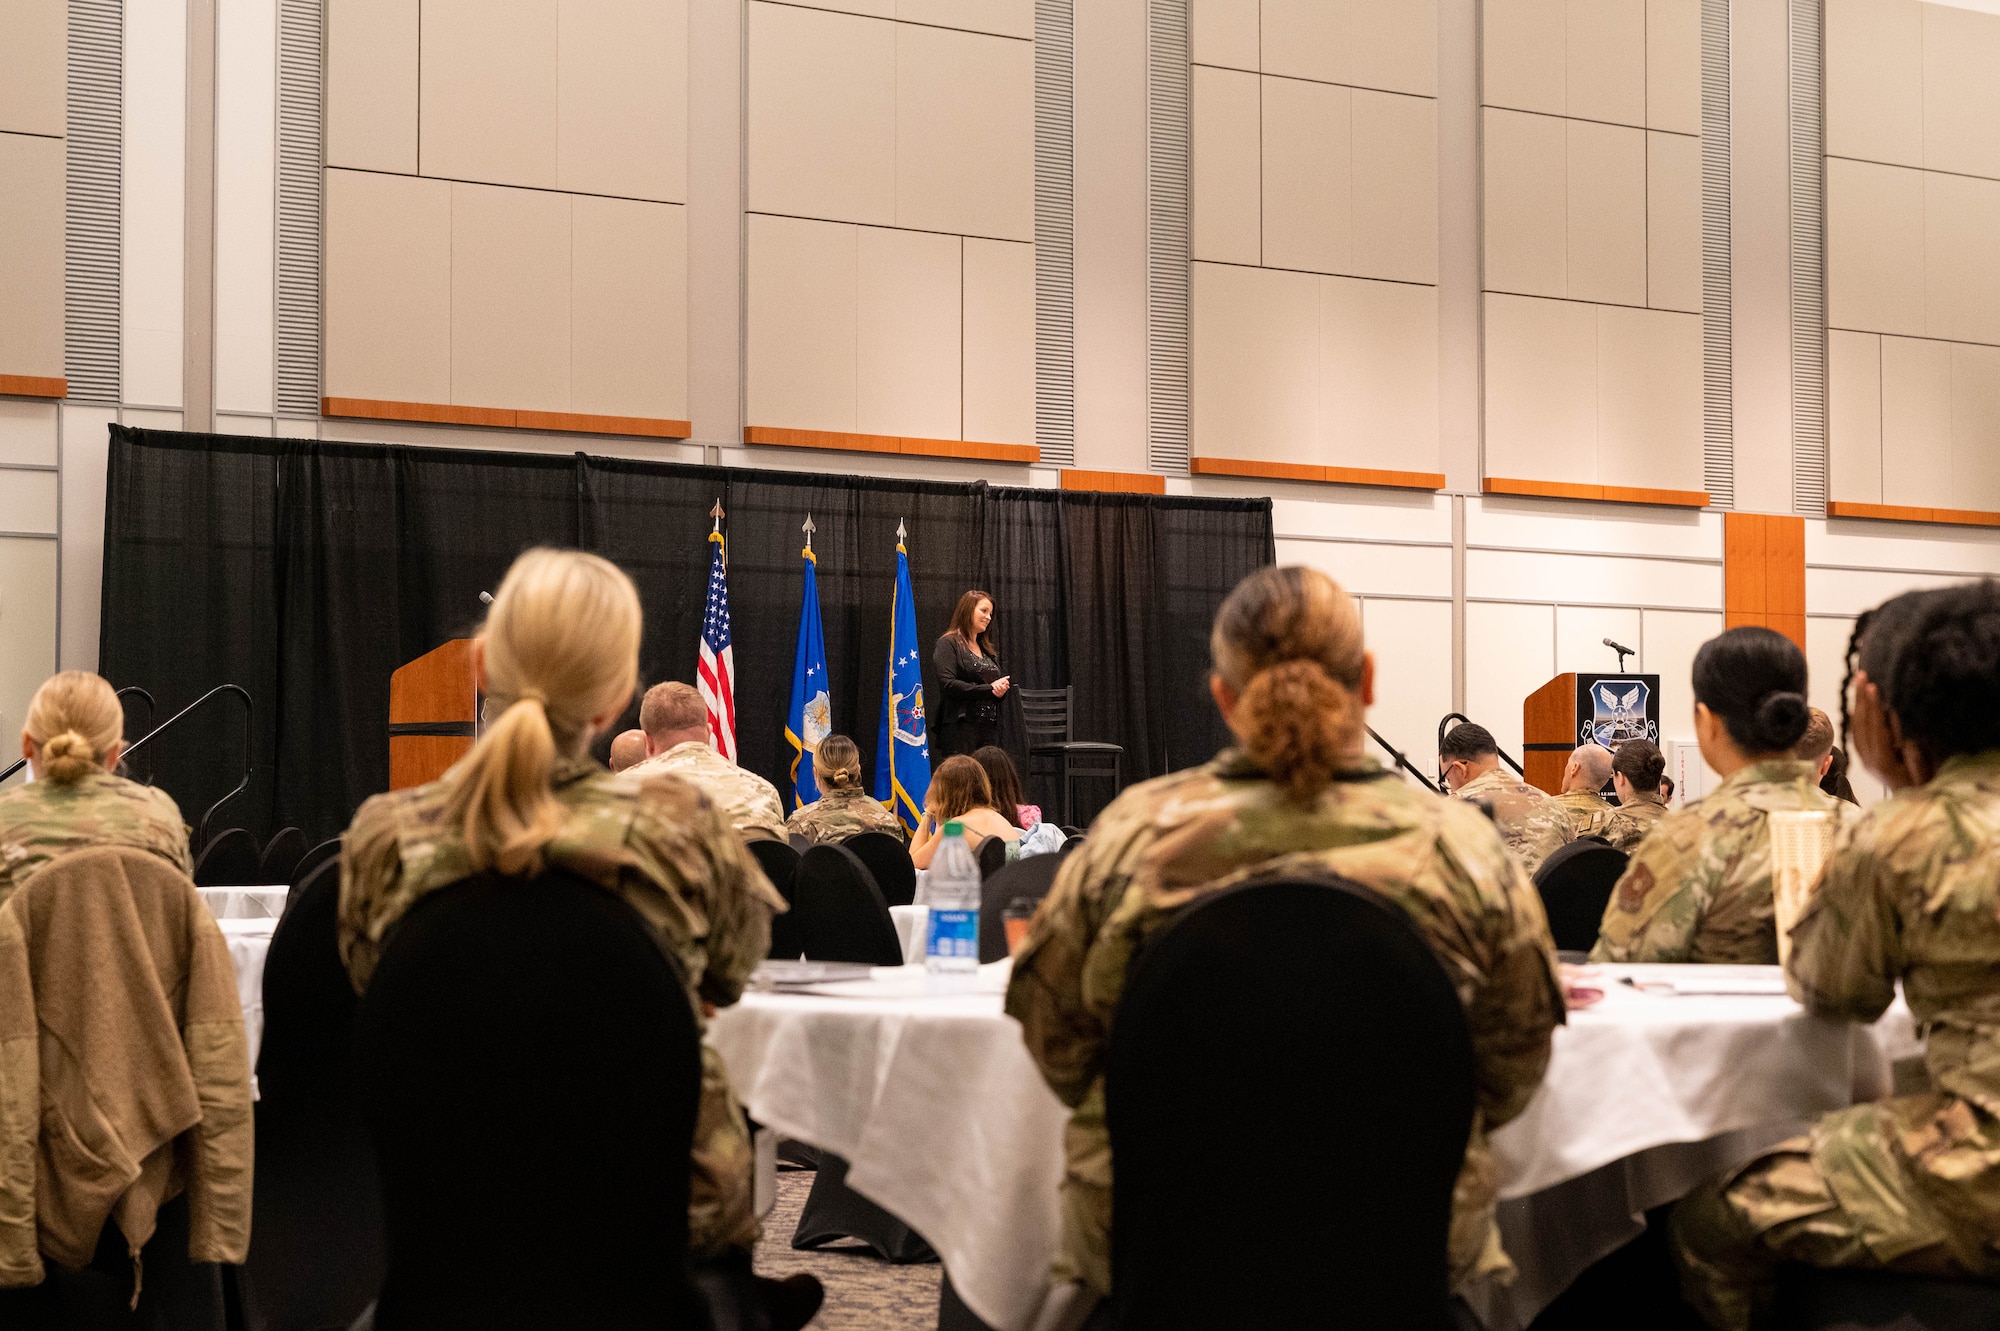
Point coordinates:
[[32, 125]]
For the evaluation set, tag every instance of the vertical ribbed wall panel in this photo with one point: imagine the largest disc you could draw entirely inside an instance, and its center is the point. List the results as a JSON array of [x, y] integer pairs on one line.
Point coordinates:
[[1055, 231], [1808, 126], [1718, 377], [300, 177], [1169, 131], [93, 199]]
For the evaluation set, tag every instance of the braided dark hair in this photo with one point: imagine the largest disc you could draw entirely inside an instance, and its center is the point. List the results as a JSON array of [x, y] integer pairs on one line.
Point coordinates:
[[1873, 648], [1947, 672]]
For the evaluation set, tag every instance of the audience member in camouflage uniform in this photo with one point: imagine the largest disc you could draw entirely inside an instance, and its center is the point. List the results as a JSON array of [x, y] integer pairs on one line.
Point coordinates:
[[1291, 680], [844, 809], [676, 724], [1532, 824], [1910, 893], [1635, 773], [529, 796], [1582, 799], [74, 733], [1698, 888], [628, 750]]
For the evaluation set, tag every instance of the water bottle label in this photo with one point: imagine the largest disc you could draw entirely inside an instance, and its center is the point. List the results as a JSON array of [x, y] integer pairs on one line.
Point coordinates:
[[953, 933]]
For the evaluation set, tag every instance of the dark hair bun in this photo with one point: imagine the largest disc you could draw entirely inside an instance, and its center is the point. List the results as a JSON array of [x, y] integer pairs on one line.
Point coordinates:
[[1782, 719]]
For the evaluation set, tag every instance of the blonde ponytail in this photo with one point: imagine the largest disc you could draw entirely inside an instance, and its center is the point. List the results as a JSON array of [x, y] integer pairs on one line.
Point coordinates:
[[74, 721], [561, 645], [1288, 642]]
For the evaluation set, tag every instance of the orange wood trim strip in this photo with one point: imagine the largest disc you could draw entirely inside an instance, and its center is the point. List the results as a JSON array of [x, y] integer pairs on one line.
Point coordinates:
[[843, 442], [33, 385], [505, 418], [1958, 517], [1615, 494], [1116, 482], [1297, 471]]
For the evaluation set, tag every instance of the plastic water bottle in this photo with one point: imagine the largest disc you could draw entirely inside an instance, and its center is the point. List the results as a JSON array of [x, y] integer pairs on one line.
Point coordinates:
[[951, 936]]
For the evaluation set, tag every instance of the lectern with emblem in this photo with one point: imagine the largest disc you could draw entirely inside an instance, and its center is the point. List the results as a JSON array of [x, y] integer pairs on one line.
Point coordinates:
[[1580, 708]]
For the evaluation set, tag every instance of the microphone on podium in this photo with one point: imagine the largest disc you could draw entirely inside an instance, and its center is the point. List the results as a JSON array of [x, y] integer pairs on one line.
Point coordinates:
[[1622, 650]]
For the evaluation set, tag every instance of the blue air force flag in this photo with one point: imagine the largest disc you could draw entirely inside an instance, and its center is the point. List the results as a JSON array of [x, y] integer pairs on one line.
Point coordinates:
[[811, 715], [902, 749]]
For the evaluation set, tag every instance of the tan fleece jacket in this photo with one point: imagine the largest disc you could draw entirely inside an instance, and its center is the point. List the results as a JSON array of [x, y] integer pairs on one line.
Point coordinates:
[[124, 1079]]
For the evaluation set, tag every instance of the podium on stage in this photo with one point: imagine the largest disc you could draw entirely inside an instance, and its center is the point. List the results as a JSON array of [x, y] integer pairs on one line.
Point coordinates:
[[1580, 708], [433, 714]]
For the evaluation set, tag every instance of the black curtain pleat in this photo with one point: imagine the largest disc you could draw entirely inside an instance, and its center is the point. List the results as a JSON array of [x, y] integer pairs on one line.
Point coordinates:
[[1025, 576]]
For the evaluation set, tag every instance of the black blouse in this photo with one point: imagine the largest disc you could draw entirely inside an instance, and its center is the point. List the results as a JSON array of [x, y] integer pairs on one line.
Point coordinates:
[[967, 680]]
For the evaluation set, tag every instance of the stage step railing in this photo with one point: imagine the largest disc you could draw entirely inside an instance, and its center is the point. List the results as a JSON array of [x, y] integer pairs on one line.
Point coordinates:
[[1402, 760]]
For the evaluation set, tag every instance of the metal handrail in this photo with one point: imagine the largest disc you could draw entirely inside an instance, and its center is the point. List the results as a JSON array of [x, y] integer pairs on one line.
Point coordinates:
[[1402, 760], [1444, 724], [152, 710], [249, 716]]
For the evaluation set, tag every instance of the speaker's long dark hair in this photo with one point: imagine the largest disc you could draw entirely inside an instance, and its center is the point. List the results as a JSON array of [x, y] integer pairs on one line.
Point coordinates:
[[961, 622]]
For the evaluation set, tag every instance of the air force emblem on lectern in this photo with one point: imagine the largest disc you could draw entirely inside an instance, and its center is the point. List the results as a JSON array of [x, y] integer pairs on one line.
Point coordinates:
[[1618, 712]]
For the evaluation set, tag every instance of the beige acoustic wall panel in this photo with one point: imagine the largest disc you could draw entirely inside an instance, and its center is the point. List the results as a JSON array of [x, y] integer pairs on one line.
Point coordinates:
[[1394, 45], [965, 123], [1874, 247], [1306, 39], [510, 298], [1541, 389], [1395, 187], [1605, 252], [1224, 32], [1961, 256], [1854, 416], [1673, 222], [34, 58], [1227, 126], [27, 624], [1648, 399], [28, 502], [31, 255], [621, 102], [799, 370], [1604, 49], [1961, 90], [822, 115], [908, 324], [1001, 18], [1256, 364], [1308, 175], [27, 433], [628, 308], [1875, 80], [1916, 422], [1527, 187], [1378, 374], [1514, 646], [999, 350], [1673, 65], [487, 91], [371, 84], [388, 287], [1524, 51], [1975, 428]]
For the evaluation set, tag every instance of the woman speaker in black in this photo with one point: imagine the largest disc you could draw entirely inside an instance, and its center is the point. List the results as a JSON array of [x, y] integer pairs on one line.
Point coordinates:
[[970, 678]]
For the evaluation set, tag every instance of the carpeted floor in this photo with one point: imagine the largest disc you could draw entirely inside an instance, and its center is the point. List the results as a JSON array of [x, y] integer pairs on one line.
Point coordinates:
[[863, 1292]]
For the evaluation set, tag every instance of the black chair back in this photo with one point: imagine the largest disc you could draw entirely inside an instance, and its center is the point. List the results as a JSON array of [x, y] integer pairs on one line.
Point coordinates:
[[889, 860], [841, 914], [1031, 878], [282, 854], [1045, 714], [228, 860], [992, 857], [1576, 884], [1261, 1009], [312, 859], [529, 1068], [780, 864], [318, 1257]]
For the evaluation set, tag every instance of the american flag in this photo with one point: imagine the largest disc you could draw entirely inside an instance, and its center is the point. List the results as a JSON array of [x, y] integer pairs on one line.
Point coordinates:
[[717, 671]]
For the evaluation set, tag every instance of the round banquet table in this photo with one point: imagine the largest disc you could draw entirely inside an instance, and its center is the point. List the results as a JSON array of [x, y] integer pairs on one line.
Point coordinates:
[[248, 917], [928, 1092]]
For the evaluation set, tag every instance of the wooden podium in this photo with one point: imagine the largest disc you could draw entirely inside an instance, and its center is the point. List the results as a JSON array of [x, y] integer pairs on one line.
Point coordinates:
[[1577, 708], [433, 714]]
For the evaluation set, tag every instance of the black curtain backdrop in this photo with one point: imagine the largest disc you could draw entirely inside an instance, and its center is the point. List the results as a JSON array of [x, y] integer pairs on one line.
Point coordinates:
[[307, 572]]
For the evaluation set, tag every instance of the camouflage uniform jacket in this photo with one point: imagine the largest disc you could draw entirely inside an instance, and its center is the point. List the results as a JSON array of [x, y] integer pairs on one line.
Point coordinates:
[[1634, 818], [42, 819], [1175, 839], [661, 846], [1698, 888], [1911, 892], [1589, 813], [748, 800], [840, 814], [1532, 824]]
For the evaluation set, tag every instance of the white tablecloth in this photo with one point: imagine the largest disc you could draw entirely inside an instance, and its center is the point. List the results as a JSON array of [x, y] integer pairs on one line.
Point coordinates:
[[910, 925], [249, 941], [232, 903], [945, 1120]]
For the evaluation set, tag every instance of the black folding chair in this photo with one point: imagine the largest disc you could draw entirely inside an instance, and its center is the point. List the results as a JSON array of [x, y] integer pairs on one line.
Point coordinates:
[[1812, 1299], [1045, 714], [318, 855], [281, 857], [780, 864], [841, 914], [889, 860], [992, 857], [529, 1068], [1264, 1007], [1575, 885], [1031, 878], [228, 860]]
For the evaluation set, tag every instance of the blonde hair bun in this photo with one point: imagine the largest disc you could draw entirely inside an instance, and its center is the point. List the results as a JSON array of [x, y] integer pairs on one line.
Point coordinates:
[[67, 757], [74, 720]]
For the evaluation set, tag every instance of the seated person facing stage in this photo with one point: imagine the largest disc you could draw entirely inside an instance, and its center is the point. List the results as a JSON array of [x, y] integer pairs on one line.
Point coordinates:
[[1636, 773], [677, 742], [844, 808], [1291, 679], [959, 793], [1531, 823], [1910, 893], [1582, 798], [1005, 778], [559, 658], [1698, 887], [74, 734], [628, 750], [1816, 745]]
